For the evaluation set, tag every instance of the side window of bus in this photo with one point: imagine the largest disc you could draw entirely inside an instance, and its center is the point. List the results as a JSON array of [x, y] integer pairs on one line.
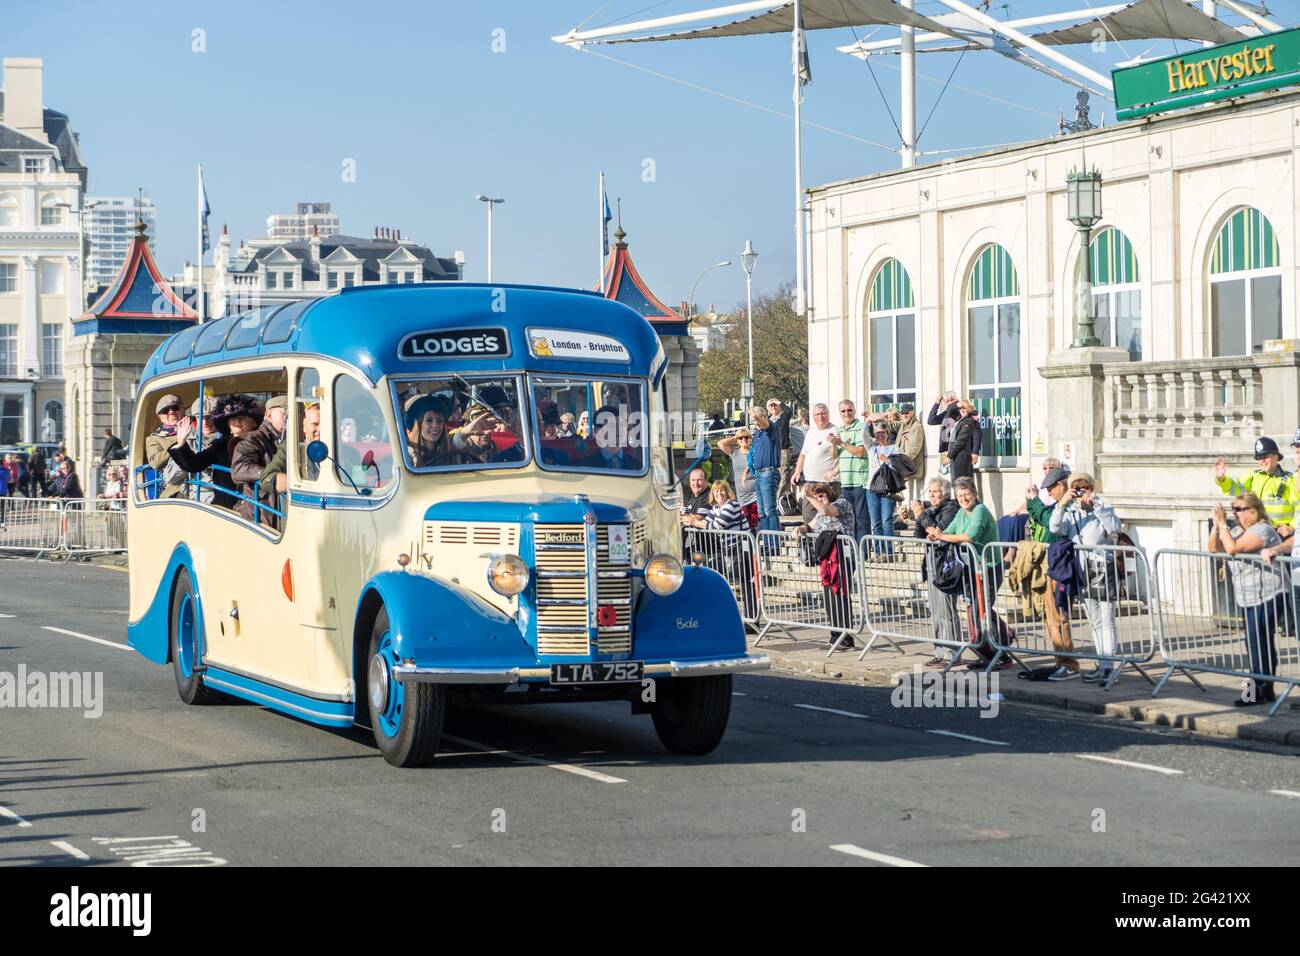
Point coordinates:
[[362, 447], [307, 420], [154, 474]]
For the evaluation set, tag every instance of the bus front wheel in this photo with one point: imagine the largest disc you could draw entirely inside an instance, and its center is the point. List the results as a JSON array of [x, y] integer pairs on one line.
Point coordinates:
[[406, 718], [184, 637], [691, 713]]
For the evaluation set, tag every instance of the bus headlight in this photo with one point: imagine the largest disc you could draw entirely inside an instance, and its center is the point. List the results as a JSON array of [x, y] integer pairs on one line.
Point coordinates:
[[507, 574], [663, 574]]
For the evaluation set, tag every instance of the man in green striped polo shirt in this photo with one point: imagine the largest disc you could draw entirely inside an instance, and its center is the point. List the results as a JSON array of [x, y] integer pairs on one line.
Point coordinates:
[[850, 441]]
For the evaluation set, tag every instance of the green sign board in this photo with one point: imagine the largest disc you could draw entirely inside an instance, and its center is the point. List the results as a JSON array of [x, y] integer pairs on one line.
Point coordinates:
[[1213, 73]]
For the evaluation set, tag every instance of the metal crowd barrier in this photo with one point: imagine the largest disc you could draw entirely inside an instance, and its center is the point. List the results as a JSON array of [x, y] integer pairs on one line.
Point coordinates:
[[1109, 619], [902, 599], [94, 525], [31, 525], [1231, 615], [734, 555], [40, 526], [791, 593]]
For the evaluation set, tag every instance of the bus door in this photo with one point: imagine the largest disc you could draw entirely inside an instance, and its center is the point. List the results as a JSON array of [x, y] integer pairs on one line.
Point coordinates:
[[306, 625]]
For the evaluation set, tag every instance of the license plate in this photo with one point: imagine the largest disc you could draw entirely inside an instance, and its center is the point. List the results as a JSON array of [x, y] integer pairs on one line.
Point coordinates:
[[620, 547], [604, 672]]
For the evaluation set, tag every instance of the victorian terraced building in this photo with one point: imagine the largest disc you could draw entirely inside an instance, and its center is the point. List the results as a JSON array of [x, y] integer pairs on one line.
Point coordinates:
[[964, 275]]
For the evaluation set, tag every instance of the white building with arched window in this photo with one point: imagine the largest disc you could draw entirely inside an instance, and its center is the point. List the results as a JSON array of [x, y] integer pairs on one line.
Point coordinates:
[[963, 275]]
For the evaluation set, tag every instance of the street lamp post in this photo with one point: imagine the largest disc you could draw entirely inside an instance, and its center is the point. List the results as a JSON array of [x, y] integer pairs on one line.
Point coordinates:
[[691, 300], [1083, 195], [490, 203], [748, 258]]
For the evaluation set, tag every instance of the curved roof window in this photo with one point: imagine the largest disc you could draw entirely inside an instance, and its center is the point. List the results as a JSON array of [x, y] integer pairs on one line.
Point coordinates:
[[247, 329], [213, 336], [284, 322], [178, 349]]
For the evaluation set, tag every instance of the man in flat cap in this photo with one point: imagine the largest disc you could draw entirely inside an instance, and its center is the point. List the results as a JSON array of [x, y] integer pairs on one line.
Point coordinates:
[[253, 455], [157, 445]]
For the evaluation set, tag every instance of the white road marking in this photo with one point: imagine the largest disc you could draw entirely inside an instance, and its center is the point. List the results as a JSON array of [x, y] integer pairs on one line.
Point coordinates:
[[1169, 771], [1286, 793], [8, 615], [832, 710], [885, 858], [736, 693], [978, 740], [68, 848], [6, 812], [524, 758], [85, 637]]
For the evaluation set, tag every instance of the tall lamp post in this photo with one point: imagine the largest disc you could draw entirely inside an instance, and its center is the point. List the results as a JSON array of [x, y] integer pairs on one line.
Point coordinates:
[[691, 300], [490, 203], [748, 259], [1083, 195]]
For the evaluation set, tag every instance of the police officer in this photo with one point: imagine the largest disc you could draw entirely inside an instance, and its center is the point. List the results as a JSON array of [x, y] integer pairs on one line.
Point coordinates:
[[1270, 482]]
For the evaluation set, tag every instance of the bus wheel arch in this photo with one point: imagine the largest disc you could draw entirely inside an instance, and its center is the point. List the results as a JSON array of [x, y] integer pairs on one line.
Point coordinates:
[[405, 718]]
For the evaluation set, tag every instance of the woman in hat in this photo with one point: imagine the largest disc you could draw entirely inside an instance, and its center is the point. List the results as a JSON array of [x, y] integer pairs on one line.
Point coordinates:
[[427, 442], [199, 449]]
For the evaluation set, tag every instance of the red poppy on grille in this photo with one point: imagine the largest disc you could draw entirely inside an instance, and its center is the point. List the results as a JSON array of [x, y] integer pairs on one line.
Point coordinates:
[[606, 615]]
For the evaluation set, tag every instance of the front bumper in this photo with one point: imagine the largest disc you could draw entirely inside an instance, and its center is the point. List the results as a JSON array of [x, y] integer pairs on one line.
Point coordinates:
[[514, 675]]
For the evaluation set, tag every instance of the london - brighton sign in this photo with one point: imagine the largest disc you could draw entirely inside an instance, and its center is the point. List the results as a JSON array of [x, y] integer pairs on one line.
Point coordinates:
[[1213, 73]]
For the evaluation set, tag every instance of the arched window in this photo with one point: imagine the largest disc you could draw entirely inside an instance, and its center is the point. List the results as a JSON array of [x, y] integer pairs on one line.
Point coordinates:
[[52, 422], [993, 324], [8, 210], [51, 211], [1245, 285], [891, 335], [993, 352], [1116, 296]]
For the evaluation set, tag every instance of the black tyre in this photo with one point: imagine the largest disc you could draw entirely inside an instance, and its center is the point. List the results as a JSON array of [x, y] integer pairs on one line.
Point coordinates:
[[184, 628], [406, 718], [691, 713]]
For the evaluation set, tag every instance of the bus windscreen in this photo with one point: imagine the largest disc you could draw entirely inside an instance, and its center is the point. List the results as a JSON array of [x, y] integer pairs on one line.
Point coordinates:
[[461, 422], [590, 424]]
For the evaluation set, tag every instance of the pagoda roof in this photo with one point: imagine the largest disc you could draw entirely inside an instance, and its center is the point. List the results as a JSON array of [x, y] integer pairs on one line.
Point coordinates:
[[139, 301], [624, 284]]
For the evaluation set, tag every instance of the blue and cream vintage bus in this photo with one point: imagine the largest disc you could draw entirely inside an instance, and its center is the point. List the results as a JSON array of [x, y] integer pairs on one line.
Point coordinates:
[[350, 509]]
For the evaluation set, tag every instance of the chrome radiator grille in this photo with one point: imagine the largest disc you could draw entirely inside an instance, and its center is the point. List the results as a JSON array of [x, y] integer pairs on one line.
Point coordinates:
[[563, 608]]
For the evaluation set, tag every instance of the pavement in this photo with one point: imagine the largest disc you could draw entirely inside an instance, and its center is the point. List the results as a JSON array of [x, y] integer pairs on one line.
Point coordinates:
[[811, 772]]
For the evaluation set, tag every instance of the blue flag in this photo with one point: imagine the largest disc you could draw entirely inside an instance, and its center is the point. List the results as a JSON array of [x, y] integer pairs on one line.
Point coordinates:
[[608, 217], [203, 192]]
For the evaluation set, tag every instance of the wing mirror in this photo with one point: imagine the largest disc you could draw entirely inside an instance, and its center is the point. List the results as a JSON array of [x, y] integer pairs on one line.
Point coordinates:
[[318, 452]]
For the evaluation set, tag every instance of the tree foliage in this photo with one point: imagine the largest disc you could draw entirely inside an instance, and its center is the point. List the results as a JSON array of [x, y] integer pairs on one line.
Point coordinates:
[[780, 355]]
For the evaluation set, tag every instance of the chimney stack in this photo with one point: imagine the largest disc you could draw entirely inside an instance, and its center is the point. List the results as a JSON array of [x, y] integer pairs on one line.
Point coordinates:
[[24, 97]]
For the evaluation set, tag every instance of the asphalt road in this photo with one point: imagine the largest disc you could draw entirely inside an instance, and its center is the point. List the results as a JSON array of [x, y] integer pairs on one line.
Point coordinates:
[[811, 773]]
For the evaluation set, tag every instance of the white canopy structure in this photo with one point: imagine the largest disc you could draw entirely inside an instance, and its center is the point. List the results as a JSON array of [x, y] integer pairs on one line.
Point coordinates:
[[964, 28], [817, 15]]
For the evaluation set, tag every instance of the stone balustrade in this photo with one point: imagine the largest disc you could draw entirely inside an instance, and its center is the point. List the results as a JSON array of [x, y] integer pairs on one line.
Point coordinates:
[[1184, 401]]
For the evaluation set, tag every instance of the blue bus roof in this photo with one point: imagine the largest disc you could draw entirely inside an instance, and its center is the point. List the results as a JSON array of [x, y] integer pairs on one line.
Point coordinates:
[[378, 330]]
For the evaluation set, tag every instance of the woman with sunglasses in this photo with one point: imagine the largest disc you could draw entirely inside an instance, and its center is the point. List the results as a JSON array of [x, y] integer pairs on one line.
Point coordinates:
[[736, 447], [1257, 587]]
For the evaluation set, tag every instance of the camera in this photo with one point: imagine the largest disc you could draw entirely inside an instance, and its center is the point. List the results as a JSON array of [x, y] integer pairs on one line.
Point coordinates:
[[1077, 492]]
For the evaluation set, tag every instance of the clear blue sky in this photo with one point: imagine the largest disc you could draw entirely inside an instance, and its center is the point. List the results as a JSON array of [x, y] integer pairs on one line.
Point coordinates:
[[413, 92]]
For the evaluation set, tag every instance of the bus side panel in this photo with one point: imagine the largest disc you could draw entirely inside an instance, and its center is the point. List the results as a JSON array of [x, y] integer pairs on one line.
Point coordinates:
[[439, 625], [699, 621], [149, 632]]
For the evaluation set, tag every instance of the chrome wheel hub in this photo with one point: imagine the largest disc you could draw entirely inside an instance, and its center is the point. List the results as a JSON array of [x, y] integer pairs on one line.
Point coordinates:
[[377, 682]]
